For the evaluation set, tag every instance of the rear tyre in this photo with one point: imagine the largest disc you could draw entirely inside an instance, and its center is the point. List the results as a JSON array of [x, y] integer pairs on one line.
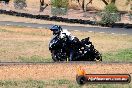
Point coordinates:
[[97, 56]]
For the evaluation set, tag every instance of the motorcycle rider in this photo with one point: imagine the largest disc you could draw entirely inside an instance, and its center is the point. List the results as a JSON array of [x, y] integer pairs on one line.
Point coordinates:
[[70, 46], [62, 33], [57, 30]]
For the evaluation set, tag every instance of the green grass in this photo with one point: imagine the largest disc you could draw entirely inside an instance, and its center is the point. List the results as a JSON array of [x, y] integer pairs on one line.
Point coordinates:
[[124, 55], [120, 55], [55, 84], [37, 83], [22, 84], [4, 30]]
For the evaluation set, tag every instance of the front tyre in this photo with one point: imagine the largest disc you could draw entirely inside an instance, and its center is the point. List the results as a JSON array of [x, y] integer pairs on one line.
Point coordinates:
[[58, 56], [54, 57]]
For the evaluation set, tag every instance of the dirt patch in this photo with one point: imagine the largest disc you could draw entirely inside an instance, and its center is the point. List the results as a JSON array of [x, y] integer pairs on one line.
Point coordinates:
[[60, 70]]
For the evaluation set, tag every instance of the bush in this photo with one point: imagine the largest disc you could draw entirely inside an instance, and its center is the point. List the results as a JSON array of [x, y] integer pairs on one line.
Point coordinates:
[[111, 8], [60, 3], [58, 11], [20, 4], [130, 16], [110, 15], [59, 7]]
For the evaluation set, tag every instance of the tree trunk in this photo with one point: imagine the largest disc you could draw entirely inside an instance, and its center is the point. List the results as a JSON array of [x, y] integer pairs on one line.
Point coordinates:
[[89, 3], [79, 2], [83, 2], [105, 2], [42, 6], [41, 2]]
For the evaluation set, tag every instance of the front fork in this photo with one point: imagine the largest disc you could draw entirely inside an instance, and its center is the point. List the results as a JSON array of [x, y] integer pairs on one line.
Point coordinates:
[[71, 55]]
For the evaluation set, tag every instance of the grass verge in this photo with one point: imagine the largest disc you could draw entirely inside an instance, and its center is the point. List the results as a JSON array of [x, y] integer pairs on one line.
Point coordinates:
[[124, 55], [62, 83]]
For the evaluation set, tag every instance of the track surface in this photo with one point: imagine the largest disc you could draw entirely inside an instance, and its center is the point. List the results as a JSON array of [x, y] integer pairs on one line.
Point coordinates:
[[121, 31]]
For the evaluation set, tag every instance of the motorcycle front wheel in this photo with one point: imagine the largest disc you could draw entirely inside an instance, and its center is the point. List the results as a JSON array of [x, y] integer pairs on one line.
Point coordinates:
[[58, 56]]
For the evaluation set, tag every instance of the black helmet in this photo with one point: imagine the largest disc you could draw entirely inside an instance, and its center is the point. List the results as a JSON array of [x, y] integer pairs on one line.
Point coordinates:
[[56, 29]]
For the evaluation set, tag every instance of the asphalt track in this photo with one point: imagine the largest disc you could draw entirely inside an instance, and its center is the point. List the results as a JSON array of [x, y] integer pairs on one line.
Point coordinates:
[[122, 31]]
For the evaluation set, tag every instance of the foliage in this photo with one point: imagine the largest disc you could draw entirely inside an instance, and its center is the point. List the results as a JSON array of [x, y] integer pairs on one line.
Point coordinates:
[[110, 15], [20, 4], [59, 7], [60, 3], [18, 1], [58, 11], [111, 8], [108, 19]]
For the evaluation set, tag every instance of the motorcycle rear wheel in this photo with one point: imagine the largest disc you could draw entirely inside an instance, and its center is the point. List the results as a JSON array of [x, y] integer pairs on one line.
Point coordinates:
[[97, 56]]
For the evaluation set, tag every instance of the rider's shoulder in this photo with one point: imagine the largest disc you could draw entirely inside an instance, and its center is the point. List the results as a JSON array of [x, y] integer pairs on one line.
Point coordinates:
[[66, 32]]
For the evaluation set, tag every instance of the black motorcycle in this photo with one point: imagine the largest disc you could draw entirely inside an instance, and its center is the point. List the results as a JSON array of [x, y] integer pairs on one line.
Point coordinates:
[[67, 49]]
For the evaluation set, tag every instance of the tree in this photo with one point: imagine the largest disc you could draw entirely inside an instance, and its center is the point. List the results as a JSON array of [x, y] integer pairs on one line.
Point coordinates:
[[107, 2], [20, 4], [59, 7], [83, 4], [43, 5]]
